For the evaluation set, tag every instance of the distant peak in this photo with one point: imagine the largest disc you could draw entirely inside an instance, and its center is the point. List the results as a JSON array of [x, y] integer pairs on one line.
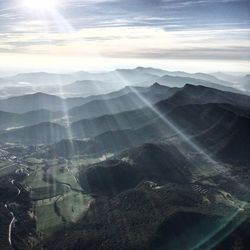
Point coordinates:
[[139, 68], [157, 85], [41, 94], [191, 86], [188, 85]]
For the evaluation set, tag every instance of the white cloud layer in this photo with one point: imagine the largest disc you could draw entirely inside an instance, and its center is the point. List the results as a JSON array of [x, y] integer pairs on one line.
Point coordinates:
[[116, 30]]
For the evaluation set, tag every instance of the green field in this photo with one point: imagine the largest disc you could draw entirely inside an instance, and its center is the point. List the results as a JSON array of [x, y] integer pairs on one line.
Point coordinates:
[[65, 174], [73, 205], [55, 203], [33, 161], [49, 191], [53, 213], [6, 167], [47, 219], [35, 179]]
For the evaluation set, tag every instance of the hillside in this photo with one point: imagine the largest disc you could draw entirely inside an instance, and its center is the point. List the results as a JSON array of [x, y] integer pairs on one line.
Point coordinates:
[[12, 120], [43, 133], [172, 170], [191, 94], [27, 103], [130, 101]]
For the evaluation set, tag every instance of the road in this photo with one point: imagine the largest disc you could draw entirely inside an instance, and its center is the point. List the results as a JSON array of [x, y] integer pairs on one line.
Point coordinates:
[[10, 225], [12, 214], [1, 169]]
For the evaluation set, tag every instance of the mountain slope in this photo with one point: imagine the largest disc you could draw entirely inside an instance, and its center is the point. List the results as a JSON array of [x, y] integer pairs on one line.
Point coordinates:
[[191, 94], [26, 103], [184, 112], [177, 81], [130, 101], [200, 76], [88, 88], [43, 133], [229, 140], [160, 163], [7, 119], [12, 120], [125, 120]]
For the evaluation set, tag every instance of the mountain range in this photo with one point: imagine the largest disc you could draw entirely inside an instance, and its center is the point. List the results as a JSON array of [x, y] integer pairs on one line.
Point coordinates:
[[83, 84], [195, 111], [160, 165]]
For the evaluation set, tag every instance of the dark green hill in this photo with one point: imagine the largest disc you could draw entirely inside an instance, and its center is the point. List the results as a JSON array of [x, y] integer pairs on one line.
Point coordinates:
[[150, 162], [191, 94]]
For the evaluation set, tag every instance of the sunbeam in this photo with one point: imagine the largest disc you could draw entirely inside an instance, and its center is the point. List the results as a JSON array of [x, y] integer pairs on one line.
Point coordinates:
[[124, 124], [169, 123]]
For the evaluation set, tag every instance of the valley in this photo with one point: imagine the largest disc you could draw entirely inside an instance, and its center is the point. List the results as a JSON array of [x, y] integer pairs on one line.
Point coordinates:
[[142, 167]]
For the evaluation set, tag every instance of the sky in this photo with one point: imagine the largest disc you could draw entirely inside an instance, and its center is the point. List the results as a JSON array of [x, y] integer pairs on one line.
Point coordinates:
[[68, 35]]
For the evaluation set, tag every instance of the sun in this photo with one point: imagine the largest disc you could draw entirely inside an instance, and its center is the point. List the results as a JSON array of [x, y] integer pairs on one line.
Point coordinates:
[[40, 5]]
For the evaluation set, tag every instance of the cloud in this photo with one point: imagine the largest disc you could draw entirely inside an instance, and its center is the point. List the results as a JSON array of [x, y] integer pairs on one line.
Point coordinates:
[[132, 42], [146, 29], [108, 13]]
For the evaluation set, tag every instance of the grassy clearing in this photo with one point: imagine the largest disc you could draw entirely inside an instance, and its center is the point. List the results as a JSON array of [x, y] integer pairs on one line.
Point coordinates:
[[33, 161], [49, 191], [73, 205], [79, 161], [52, 213], [70, 179], [6, 167], [36, 179], [65, 174], [47, 219], [55, 203], [3, 163], [40, 189], [34, 167]]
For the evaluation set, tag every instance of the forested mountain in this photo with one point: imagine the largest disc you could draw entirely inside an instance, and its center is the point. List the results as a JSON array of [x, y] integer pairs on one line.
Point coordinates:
[[117, 170]]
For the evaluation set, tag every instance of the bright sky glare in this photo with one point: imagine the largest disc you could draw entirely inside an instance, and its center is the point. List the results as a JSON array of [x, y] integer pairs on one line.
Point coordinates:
[[40, 5], [208, 35]]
